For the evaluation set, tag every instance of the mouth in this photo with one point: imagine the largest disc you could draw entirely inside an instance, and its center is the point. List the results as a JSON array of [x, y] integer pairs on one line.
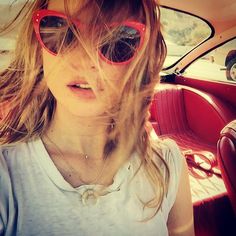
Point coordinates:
[[80, 85], [81, 89]]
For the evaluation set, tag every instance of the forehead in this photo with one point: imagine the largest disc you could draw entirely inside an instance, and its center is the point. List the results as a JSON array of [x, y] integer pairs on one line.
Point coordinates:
[[58, 5], [76, 8], [82, 9], [73, 7]]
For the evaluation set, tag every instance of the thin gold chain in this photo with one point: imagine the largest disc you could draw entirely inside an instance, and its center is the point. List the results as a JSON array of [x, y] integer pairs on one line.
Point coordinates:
[[72, 169]]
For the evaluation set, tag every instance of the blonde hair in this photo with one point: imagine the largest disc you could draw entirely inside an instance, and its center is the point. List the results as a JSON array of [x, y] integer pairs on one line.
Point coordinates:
[[31, 104]]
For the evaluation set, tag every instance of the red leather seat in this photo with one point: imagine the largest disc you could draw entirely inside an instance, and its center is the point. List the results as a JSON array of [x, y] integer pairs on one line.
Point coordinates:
[[194, 119], [191, 117], [226, 153]]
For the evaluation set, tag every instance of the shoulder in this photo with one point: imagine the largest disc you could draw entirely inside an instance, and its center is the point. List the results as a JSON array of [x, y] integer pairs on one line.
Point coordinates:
[[4, 155], [171, 154], [9, 152], [8, 159], [14, 156], [4, 165], [7, 202], [173, 158], [169, 151], [14, 159]]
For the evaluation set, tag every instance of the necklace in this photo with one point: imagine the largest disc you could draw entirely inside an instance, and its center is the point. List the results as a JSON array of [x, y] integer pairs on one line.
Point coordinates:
[[90, 195]]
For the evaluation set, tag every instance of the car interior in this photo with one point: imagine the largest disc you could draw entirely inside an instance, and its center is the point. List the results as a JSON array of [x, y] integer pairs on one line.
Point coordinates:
[[197, 108], [199, 113]]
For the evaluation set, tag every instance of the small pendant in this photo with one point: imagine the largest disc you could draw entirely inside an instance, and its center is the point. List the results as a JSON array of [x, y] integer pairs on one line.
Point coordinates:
[[89, 197]]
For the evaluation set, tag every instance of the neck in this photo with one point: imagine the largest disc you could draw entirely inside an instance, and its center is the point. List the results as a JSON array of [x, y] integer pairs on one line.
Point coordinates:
[[78, 135]]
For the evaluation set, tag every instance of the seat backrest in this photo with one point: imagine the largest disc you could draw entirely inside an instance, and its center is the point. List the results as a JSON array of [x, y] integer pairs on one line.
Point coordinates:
[[168, 110], [179, 109], [226, 153]]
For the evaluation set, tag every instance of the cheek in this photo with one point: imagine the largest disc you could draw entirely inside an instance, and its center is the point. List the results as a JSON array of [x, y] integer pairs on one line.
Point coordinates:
[[115, 73], [52, 74], [49, 63], [118, 77], [113, 87]]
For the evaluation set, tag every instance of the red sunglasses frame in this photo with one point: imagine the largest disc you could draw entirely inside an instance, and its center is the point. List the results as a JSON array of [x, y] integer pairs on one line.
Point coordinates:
[[39, 14]]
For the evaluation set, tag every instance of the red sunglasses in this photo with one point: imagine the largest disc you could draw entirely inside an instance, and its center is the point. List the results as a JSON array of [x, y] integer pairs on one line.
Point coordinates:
[[53, 32]]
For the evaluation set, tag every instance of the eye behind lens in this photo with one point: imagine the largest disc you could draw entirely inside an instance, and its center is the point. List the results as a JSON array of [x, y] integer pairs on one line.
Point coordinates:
[[55, 33], [122, 46]]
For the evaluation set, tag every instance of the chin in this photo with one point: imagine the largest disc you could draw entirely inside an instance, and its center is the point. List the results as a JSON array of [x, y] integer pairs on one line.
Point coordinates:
[[87, 112]]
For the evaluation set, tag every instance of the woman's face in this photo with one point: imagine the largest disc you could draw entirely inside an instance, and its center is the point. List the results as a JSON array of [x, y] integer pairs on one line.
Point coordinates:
[[63, 72]]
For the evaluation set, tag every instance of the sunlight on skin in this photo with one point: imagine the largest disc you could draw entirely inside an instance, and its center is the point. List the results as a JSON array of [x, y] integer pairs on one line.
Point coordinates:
[[182, 229]]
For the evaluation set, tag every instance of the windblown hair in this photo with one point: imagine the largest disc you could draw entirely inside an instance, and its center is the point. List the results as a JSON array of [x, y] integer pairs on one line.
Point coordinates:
[[31, 105]]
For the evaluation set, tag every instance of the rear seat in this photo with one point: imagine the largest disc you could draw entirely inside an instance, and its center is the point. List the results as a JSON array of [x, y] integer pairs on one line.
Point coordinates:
[[194, 120]]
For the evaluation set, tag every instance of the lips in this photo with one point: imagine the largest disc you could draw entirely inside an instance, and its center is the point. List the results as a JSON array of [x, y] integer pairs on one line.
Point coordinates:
[[77, 82], [84, 91]]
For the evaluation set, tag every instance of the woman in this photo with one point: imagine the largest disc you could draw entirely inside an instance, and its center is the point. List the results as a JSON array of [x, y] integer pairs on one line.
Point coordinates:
[[77, 157]]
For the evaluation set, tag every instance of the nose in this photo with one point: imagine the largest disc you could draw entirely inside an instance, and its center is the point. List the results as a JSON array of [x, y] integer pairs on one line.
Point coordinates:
[[79, 59]]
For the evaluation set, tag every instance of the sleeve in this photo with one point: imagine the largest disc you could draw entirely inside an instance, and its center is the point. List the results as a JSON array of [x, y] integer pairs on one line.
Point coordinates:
[[7, 209], [175, 161]]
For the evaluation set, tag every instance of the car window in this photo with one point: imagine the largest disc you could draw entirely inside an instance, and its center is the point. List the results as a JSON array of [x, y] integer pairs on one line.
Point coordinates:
[[219, 64], [182, 32], [8, 11]]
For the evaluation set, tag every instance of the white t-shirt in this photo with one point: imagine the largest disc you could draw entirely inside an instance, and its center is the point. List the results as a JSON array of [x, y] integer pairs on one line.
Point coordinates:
[[36, 200]]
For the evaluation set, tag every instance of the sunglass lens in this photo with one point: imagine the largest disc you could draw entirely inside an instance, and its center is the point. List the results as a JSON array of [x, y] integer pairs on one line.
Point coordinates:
[[55, 33], [122, 46]]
